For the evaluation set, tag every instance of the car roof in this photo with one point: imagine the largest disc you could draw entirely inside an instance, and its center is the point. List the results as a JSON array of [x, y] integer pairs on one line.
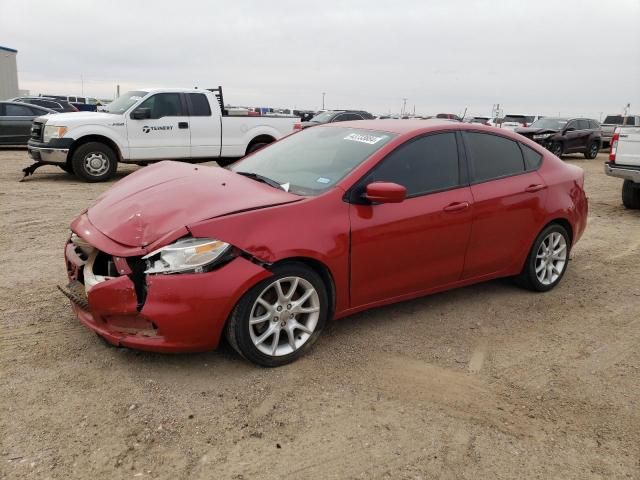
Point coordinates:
[[402, 127], [30, 106]]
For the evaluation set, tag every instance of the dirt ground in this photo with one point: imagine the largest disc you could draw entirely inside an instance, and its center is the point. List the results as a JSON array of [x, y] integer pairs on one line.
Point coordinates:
[[487, 381]]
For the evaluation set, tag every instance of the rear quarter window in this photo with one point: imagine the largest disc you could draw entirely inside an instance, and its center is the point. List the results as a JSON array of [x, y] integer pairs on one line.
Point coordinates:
[[532, 159]]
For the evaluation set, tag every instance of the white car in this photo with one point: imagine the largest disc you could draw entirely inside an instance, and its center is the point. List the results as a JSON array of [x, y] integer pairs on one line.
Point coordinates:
[[149, 125], [511, 122], [624, 162]]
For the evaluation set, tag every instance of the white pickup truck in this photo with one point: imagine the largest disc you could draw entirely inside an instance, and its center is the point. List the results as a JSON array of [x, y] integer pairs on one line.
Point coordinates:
[[624, 162], [149, 125]]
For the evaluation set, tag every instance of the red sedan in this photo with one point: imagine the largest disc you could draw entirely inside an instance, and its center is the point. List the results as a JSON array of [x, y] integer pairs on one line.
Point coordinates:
[[324, 223]]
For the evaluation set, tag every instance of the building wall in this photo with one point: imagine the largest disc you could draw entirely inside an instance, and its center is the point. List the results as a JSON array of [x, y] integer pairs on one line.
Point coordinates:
[[8, 74]]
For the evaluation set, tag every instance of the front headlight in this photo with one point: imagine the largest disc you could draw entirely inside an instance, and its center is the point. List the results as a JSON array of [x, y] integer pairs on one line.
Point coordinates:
[[193, 255], [542, 136], [52, 131]]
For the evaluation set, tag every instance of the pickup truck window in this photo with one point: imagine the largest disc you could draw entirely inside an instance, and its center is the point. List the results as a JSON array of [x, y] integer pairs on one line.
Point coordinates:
[[125, 102], [164, 105], [198, 105], [314, 160]]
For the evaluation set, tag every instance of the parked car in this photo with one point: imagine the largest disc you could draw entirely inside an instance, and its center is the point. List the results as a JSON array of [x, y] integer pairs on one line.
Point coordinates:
[[512, 122], [322, 224], [15, 121], [332, 116], [449, 116], [84, 104], [566, 135], [611, 122], [481, 120], [624, 162], [59, 106], [150, 125]]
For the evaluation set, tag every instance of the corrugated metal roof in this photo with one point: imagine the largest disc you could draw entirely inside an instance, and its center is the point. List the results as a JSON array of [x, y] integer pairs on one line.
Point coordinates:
[[8, 49]]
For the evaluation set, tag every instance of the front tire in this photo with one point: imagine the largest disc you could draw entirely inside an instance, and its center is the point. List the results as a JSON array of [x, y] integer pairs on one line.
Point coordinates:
[[279, 319], [557, 149], [592, 150], [547, 260], [94, 162], [631, 195]]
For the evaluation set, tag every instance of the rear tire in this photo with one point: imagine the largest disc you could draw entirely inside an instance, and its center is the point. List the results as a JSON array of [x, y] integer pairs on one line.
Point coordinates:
[[631, 195], [592, 150], [254, 147], [94, 162], [273, 326], [547, 260]]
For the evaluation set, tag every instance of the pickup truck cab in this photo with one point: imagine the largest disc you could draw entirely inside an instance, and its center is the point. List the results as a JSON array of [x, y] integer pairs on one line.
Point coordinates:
[[150, 125], [624, 162], [611, 122]]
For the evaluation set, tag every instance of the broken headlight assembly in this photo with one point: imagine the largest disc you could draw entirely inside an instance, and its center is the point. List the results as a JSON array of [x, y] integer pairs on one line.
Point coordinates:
[[188, 255]]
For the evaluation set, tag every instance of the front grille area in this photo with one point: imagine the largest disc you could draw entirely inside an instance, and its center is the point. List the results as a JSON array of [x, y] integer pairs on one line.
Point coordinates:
[[37, 129]]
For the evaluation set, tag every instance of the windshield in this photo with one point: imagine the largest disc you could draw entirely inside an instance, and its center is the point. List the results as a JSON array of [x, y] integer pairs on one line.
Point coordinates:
[[619, 120], [550, 123], [124, 102], [323, 117], [314, 160], [514, 119]]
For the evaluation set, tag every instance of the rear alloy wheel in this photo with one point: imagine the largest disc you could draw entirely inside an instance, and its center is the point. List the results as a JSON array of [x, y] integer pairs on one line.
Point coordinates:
[[94, 162], [547, 260], [280, 318], [631, 195], [556, 149], [592, 150], [254, 147]]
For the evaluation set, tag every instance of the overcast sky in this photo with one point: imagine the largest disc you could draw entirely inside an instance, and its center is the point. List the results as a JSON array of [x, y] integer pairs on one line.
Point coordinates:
[[532, 57]]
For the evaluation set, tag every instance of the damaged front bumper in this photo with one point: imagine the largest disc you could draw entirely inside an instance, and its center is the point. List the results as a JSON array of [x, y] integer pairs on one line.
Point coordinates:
[[112, 296]]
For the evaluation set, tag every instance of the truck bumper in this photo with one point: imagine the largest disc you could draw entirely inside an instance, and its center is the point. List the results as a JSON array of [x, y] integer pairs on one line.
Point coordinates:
[[622, 171], [54, 152]]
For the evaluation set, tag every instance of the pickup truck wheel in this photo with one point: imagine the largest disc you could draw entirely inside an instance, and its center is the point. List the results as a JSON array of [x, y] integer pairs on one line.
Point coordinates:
[[281, 317], [256, 146], [94, 162], [631, 195], [547, 260], [556, 149], [67, 168], [592, 150]]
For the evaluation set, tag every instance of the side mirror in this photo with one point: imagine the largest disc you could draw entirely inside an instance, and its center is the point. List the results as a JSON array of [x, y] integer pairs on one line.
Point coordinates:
[[385, 192], [141, 113], [569, 129]]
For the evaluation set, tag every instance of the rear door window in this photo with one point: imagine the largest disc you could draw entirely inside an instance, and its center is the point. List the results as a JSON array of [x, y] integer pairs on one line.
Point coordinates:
[[583, 125], [17, 110], [427, 164], [493, 156], [199, 105]]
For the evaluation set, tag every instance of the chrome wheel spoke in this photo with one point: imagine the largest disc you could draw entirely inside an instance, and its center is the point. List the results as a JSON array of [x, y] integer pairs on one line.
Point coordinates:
[[277, 312], [551, 258]]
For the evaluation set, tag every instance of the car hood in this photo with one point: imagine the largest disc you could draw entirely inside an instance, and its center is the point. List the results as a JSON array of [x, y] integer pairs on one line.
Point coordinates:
[[534, 131], [157, 200], [70, 118]]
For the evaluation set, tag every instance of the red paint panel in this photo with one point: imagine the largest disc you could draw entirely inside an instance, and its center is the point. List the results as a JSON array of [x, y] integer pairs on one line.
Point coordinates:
[[408, 247]]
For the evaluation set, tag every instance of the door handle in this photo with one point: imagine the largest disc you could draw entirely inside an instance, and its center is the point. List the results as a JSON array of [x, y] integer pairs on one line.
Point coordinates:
[[183, 125], [535, 188], [456, 207]]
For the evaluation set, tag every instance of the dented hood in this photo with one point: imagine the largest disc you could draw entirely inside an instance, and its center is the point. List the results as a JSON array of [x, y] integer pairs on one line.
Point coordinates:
[[159, 199]]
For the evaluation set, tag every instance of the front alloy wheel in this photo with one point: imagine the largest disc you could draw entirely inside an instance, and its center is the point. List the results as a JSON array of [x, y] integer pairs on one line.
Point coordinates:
[[281, 317], [556, 149]]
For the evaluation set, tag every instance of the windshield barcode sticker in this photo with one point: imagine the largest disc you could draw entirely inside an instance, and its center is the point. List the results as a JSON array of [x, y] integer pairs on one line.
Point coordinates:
[[363, 138]]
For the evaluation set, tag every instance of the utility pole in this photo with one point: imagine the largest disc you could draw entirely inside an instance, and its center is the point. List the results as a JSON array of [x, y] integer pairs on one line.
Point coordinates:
[[82, 84], [404, 105], [323, 94]]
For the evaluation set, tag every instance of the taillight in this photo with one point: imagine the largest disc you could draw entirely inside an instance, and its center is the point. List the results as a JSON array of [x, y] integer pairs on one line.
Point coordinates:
[[614, 145], [297, 126]]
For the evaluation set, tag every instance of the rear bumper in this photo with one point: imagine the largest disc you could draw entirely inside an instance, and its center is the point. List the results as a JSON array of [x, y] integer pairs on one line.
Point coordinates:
[[54, 152], [621, 171], [179, 313]]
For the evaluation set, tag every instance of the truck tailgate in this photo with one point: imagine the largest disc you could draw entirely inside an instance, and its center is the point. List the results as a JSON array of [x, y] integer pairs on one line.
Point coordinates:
[[628, 151]]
